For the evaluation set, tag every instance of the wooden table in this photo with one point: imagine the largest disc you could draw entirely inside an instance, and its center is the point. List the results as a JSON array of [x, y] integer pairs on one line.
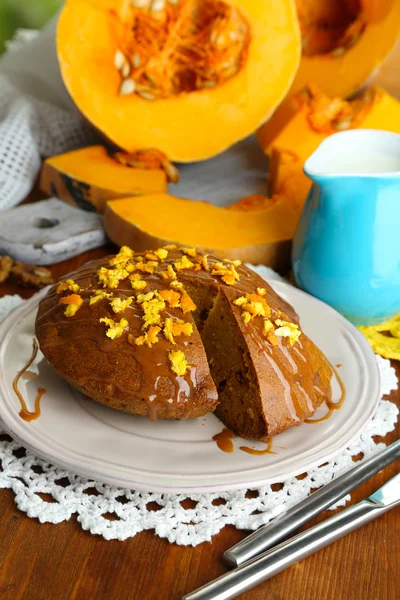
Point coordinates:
[[44, 561]]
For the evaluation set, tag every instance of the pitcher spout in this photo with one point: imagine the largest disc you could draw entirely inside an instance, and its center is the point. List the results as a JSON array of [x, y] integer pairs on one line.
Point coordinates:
[[356, 153]]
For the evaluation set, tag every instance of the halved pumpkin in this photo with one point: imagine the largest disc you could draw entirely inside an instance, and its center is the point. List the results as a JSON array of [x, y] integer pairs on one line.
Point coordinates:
[[89, 177], [188, 77], [318, 116], [344, 42], [256, 233]]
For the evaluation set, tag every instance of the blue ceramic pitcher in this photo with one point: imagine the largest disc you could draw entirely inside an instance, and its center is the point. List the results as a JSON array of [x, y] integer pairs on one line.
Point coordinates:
[[346, 250]]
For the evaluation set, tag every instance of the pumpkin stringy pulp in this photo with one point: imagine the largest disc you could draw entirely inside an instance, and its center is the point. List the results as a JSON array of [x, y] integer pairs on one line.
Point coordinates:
[[169, 47]]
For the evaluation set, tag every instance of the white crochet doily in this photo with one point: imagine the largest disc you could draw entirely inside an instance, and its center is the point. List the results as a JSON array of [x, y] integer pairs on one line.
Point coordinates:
[[52, 495]]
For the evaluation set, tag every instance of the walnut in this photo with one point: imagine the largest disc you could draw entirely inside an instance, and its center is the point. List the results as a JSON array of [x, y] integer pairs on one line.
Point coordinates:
[[31, 275], [6, 263]]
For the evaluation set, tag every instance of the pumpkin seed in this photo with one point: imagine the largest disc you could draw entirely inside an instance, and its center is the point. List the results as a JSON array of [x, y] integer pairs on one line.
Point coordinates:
[[338, 51], [126, 70], [213, 36], [343, 124], [119, 60], [157, 5], [136, 60], [228, 63], [146, 95], [230, 71], [171, 171], [128, 86], [209, 84], [220, 41], [173, 2], [141, 3], [352, 40]]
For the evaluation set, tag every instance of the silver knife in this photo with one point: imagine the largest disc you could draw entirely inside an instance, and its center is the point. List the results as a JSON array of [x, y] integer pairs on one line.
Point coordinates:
[[272, 562], [269, 535]]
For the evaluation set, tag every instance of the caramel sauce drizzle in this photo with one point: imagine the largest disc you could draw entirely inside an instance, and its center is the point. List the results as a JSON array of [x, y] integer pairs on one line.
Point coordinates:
[[225, 443], [224, 440], [268, 449], [24, 413], [332, 406]]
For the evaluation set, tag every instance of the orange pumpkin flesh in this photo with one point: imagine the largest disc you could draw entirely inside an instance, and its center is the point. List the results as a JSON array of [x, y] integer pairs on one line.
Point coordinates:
[[249, 233], [198, 76], [89, 177]]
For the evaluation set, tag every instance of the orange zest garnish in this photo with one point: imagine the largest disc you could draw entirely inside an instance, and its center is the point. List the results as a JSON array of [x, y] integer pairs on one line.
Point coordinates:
[[254, 306], [148, 267], [171, 297], [67, 285], [227, 273], [179, 364], [187, 303], [114, 328], [175, 327], [202, 260], [183, 263], [111, 277], [73, 302], [149, 338], [72, 299]]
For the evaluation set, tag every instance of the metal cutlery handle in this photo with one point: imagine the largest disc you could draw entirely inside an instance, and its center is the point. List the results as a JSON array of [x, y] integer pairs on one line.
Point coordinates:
[[269, 535], [274, 561]]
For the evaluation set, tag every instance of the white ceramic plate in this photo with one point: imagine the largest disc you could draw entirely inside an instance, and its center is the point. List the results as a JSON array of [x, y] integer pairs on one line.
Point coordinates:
[[180, 456]]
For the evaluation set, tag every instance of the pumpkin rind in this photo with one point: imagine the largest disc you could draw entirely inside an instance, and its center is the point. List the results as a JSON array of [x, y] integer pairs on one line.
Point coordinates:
[[261, 235], [87, 178], [189, 126]]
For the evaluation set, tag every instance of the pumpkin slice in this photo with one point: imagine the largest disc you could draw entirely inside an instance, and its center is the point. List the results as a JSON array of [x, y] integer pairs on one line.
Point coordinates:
[[188, 77], [316, 116], [89, 177], [257, 236]]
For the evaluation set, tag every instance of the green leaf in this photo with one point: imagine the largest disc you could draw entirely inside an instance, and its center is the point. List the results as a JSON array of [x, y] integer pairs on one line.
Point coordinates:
[[33, 13], [8, 24]]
